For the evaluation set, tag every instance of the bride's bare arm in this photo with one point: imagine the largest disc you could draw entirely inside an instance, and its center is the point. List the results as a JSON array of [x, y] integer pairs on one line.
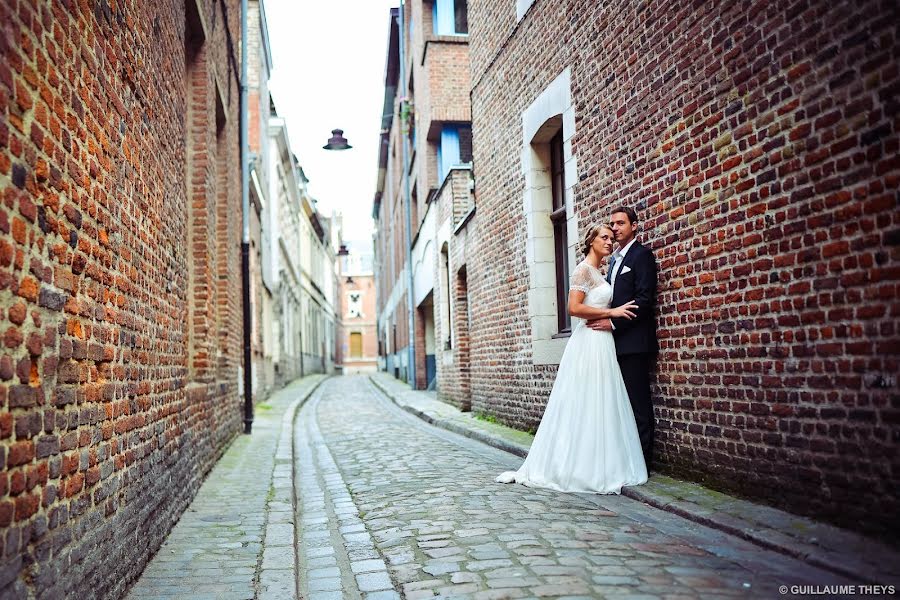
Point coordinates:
[[577, 308]]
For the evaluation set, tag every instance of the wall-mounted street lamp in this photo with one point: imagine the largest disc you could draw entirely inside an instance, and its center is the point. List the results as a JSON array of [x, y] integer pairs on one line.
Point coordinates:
[[337, 141]]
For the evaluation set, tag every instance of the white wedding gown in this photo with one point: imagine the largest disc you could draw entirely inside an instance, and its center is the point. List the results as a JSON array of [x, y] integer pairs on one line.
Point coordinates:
[[587, 440]]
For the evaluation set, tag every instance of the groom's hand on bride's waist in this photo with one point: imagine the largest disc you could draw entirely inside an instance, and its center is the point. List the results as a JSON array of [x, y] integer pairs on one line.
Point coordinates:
[[600, 324]]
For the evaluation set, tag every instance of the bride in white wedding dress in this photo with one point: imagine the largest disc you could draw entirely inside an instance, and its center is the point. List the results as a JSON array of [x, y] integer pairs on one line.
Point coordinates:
[[587, 440]]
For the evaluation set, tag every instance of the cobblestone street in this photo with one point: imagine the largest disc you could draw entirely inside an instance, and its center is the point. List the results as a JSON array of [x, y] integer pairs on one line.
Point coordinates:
[[285, 286], [389, 504]]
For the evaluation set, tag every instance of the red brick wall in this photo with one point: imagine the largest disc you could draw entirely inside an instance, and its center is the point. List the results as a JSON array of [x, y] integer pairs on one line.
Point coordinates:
[[401, 325], [452, 364], [364, 325], [440, 93], [759, 143], [445, 73], [114, 402], [462, 390], [453, 376]]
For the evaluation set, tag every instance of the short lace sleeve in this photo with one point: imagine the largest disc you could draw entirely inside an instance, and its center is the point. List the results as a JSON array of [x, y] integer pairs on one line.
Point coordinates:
[[582, 279]]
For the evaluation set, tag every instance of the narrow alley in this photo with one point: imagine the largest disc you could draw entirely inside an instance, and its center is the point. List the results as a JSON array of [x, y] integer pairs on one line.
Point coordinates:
[[433, 513], [388, 506], [285, 286]]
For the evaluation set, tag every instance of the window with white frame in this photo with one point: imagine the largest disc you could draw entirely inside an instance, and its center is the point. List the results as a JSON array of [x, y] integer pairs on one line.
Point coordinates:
[[550, 172]]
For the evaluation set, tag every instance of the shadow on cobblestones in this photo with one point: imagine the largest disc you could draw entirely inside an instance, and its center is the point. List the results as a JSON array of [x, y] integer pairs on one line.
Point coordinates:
[[445, 528]]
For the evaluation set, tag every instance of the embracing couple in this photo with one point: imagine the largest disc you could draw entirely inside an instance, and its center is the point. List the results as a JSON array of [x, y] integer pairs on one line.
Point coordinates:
[[596, 434]]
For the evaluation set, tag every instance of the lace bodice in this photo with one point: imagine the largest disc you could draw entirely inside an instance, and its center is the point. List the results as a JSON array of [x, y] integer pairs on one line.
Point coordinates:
[[587, 279]]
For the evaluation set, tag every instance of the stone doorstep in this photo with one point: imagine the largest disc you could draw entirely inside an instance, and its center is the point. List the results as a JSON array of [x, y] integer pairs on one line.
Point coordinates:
[[741, 518]]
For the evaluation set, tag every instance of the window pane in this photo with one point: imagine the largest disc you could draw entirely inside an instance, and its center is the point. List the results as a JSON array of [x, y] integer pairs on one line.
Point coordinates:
[[443, 17], [465, 143], [557, 174], [562, 275], [560, 239], [462, 17], [448, 154]]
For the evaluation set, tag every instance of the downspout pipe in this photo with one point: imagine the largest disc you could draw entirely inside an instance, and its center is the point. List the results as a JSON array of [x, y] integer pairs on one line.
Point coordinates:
[[407, 243], [245, 234]]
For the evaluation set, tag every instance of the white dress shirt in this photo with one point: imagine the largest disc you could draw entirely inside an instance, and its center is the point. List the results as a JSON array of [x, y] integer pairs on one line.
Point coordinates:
[[620, 258]]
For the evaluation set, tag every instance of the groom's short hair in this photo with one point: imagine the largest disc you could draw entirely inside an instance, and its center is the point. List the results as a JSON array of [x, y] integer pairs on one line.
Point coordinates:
[[632, 216]]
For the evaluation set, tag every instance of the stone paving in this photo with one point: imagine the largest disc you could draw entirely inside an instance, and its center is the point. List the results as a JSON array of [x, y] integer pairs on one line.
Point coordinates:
[[839, 550], [337, 555], [389, 507], [235, 541], [379, 487]]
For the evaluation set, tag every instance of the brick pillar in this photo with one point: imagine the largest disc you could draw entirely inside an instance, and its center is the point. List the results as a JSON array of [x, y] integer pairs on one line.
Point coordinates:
[[463, 395]]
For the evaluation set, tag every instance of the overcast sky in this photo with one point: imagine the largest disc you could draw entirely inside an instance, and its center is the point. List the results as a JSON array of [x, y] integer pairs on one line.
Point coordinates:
[[328, 72]]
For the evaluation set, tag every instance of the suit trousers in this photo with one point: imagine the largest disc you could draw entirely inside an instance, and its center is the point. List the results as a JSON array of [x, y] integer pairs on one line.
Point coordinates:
[[636, 370]]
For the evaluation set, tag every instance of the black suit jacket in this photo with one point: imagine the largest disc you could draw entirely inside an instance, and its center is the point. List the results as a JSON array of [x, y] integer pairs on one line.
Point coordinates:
[[637, 335]]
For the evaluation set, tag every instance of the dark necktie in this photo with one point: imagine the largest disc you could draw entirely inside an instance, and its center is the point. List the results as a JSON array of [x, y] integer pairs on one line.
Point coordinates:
[[612, 265]]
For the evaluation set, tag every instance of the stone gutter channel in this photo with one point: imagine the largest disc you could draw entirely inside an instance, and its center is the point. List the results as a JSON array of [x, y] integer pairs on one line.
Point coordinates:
[[276, 571]]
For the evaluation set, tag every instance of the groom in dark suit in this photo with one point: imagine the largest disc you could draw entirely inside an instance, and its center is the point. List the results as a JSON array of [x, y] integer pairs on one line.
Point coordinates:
[[632, 274]]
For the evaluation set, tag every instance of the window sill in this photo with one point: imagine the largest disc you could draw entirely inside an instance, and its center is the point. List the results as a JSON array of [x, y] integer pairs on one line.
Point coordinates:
[[560, 335], [451, 38]]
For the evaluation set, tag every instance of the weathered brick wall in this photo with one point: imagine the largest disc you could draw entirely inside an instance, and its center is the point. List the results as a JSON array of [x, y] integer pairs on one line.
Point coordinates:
[[440, 94], [401, 339], [463, 201], [452, 364], [446, 73], [460, 391], [759, 142], [453, 374], [389, 271], [118, 374]]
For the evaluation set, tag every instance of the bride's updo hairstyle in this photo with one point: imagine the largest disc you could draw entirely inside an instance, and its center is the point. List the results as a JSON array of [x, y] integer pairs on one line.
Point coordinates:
[[592, 231]]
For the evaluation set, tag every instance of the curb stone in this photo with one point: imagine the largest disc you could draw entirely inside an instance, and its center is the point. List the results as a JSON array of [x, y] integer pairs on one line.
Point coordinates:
[[481, 436]]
